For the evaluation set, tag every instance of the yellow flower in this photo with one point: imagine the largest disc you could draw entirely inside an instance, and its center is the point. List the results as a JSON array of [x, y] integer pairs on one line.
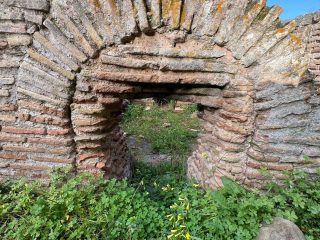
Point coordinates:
[[180, 217], [188, 207], [174, 206], [188, 236]]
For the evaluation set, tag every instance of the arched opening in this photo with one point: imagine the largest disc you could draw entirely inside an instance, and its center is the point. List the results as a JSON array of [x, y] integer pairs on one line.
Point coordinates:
[[106, 110], [151, 67], [161, 135], [84, 58]]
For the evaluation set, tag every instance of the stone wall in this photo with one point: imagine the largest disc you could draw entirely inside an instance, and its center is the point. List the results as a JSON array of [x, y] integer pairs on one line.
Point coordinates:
[[66, 66]]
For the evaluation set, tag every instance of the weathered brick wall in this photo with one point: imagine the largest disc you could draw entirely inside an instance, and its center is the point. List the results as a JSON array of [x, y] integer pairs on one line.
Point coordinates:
[[66, 66]]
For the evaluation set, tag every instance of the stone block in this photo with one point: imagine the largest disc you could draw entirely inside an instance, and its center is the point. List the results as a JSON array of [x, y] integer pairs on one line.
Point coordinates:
[[42, 5], [280, 229], [7, 81], [11, 27]]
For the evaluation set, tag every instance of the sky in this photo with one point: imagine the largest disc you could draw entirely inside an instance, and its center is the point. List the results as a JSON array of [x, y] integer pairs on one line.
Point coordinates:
[[294, 8]]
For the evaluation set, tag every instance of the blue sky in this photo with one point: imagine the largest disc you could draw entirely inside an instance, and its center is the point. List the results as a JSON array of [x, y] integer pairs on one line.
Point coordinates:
[[293, 8]]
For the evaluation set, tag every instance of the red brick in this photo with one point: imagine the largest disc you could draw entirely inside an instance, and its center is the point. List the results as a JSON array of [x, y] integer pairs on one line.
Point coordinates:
[[279, 167], [53, 160], [112, 103], [13, 156], [234, 94], [51, 141], [256, 165], [11, 138], [24, 116], [85, 99], [255, 154], [8, 107], [58, 131], [89, 145], [235, 117], [271, 158], [230, 147], [91, 129], [89, 121], [50, 121], [28, 167], [236, 106], [269, 166], [233, 127], [40, 131], [100, 165], [86, 156], [255, 174], [111, 88], [36, 149], [7, 118], [41, 108]]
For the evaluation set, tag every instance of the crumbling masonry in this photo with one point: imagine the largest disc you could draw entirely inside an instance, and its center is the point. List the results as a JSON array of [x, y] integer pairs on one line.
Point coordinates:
[[66, 65]]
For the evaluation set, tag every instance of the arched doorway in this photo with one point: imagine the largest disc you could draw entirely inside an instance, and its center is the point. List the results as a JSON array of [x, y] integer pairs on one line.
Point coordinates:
[[234, 57]]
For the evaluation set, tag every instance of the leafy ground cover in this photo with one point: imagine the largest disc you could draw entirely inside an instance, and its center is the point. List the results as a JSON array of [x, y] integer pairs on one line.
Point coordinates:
[[159, 202]]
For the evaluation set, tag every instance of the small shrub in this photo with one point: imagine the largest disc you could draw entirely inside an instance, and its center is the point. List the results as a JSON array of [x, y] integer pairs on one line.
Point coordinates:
[[84, 207], [298, 200], [159, 204]]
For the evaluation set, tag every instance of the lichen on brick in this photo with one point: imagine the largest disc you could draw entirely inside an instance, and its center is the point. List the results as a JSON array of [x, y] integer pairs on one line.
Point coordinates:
[[61, 100]]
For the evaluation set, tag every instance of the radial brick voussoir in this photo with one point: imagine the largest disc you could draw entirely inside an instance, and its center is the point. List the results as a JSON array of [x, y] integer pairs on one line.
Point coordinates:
[[66, 67]]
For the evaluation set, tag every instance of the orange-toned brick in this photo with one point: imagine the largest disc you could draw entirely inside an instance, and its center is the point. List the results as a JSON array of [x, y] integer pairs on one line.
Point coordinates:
[[53, 160], [57, 132], [100, 165], [13, 156], [11, 138], [8, 107], [24, 116], [89, 145], [15, 148], [7, 118], [17, 130], [49, 121], [51, 141], [86, 156], [28, 167], [31, 105]]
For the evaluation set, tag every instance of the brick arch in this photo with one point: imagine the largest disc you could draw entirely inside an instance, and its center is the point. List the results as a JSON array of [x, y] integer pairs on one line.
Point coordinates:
[[236, 58]]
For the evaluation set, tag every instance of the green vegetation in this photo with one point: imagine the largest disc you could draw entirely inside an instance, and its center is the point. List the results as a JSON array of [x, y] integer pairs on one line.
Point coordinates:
[[167, 131], [157, 205], [159, 202]]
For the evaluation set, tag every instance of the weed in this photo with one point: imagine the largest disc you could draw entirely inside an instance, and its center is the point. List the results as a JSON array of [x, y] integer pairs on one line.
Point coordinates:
[[160, 204], [167, 131]]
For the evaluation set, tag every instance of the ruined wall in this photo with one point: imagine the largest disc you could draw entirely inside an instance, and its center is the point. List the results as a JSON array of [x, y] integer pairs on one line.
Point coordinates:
[[67, 65], [270, 123]]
